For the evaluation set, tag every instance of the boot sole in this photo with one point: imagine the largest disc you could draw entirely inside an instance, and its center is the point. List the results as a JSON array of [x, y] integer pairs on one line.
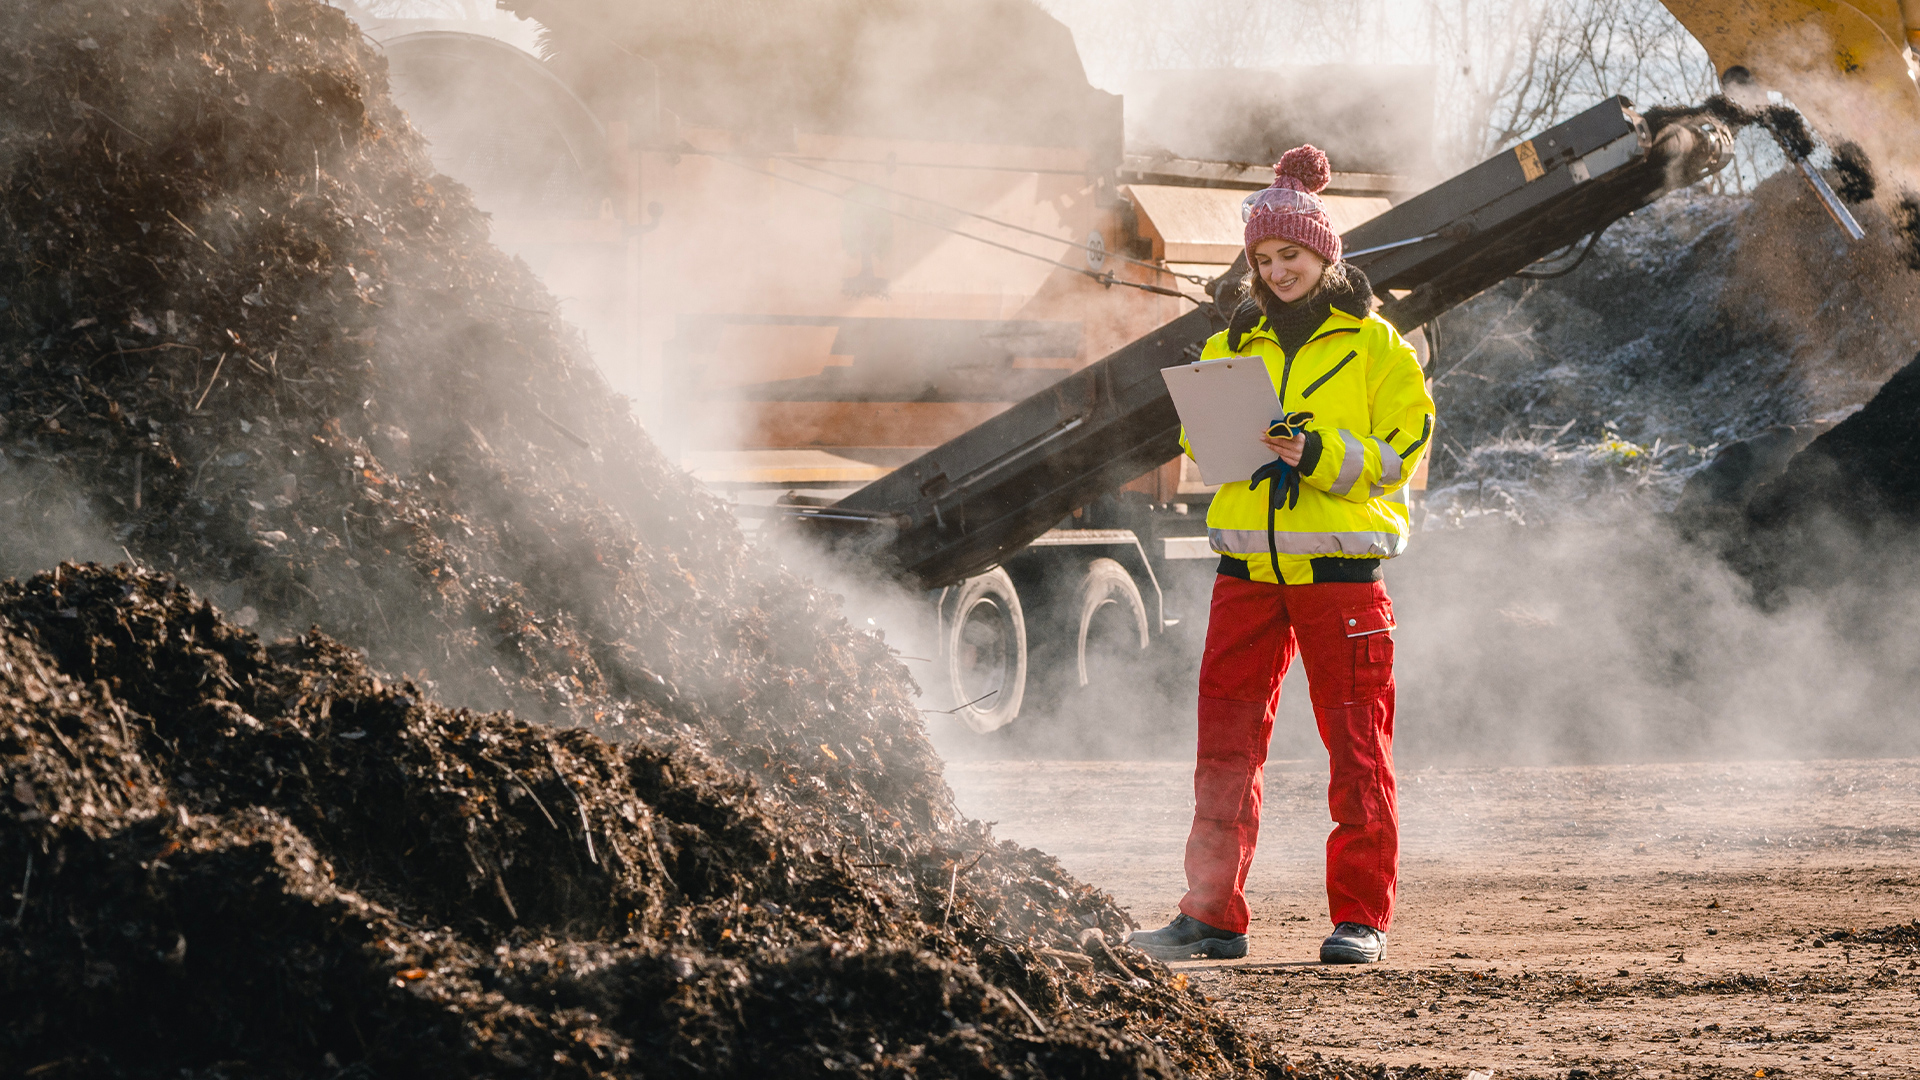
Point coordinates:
[[1204, 949], [1338, 955]]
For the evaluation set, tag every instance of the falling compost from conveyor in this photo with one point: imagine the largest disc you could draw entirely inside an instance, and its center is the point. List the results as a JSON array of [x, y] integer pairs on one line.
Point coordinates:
[[431, 721]]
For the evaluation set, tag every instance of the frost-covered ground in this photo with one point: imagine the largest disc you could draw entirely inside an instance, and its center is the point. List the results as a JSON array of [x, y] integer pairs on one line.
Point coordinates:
[[1551, 478], [1699, 321]]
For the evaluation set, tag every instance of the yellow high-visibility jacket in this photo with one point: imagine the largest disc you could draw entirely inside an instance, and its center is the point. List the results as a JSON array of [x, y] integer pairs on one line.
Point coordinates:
[[1372, 419]]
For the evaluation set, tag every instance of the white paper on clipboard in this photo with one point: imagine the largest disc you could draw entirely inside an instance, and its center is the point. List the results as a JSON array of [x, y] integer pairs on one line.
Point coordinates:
[[1225, 404]]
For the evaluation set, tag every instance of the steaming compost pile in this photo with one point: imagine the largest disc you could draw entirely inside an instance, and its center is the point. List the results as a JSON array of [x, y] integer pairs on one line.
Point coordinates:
[[1842, 508], [265, 854], [1701, 320], [252, 344]]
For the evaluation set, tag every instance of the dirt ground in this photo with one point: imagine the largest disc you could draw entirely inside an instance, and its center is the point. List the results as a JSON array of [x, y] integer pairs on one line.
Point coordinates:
[[1564, 922]]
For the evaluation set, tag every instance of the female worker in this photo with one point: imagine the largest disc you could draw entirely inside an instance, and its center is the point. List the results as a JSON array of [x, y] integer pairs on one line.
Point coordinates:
[[1300, 550]]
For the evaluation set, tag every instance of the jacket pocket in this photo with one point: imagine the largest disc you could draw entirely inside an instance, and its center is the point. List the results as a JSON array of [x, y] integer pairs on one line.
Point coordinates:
[[1322, 380]]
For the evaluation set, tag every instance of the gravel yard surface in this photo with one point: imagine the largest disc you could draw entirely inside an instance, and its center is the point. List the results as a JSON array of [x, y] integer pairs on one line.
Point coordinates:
[[1690, 919]]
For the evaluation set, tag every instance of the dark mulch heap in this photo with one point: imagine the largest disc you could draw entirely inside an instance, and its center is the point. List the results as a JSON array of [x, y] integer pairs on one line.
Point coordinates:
[[250, 339], [1701, 319], [1907, 934], [1845, 508], [262, 853], [1862, 470]]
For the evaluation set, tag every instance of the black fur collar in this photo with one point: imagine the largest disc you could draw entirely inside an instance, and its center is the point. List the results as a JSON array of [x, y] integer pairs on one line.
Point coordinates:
[[1292, 324]]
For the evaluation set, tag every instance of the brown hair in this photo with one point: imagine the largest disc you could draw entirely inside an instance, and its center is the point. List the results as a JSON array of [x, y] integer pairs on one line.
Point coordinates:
[[1333, 278]]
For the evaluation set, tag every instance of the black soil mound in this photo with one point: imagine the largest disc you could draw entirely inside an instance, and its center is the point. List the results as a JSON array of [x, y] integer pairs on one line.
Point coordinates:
[[250, 338], [263, 859], [1864, 469], [1845, 507], [1699, 320], [252, 342], [252, 345]]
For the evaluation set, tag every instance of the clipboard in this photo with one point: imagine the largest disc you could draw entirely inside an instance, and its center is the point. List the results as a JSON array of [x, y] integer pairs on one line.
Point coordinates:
[[1225, 405]]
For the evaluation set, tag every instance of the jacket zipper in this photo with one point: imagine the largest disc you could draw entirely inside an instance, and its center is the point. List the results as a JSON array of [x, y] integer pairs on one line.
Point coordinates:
[[1330, 333], [1322, 380], [1286, 368]]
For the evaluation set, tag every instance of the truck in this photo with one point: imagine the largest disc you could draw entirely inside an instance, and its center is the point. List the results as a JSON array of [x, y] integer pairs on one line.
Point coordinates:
[[933, 343]]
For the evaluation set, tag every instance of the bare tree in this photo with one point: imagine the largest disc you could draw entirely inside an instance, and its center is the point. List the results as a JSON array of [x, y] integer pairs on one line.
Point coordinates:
[[1512, 67], [1505, 68]]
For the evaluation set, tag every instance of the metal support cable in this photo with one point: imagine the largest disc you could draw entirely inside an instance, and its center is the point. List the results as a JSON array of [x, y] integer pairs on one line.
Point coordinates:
[[1563, 271], [932, 165], [1107, 278], [1089, 248]]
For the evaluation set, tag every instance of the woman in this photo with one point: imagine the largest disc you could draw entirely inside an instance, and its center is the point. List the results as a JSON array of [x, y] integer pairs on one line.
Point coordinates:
[[1300, 551]]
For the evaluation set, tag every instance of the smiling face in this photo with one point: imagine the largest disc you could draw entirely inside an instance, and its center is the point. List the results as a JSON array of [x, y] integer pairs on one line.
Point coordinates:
[[1290, 270]]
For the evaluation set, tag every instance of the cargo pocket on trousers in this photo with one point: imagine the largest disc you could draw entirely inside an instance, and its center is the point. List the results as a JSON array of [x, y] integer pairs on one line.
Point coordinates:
[[1370, 630]]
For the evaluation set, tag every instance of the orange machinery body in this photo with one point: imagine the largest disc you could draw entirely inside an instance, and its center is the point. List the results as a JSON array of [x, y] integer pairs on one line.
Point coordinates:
[[792, 303], [799, 310], [794, 319]]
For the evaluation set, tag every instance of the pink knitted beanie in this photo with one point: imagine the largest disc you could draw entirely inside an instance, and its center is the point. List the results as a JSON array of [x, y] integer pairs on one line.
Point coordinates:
[[1290, 210]]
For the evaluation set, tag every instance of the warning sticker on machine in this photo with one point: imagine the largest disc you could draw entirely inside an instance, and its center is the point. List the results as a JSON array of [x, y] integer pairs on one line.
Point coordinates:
[[1529, 161]]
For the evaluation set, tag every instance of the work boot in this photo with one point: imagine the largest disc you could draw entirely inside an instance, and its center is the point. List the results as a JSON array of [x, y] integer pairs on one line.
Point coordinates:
[[1352, 943], [1187, 938]]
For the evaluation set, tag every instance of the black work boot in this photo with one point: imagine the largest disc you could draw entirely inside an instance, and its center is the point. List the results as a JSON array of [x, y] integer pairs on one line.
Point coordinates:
[[1352, 943], [1187, 938]]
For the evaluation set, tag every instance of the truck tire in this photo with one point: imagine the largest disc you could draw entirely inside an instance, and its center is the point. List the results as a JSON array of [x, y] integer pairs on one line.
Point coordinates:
[[1113, 619], [986, 651]]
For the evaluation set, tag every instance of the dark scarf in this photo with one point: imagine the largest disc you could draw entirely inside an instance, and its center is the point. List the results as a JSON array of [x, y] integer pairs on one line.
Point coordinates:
[[1292, 324]]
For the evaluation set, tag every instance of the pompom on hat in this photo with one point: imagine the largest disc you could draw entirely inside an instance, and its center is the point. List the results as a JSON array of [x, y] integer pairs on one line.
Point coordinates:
[[1291, 209]]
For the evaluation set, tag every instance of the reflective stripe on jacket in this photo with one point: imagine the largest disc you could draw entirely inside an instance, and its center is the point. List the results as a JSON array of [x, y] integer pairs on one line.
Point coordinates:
[[1372, 419]]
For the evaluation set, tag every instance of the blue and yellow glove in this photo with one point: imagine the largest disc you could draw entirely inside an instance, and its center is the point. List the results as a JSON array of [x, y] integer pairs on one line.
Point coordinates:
[[1285, 489], [1285, 477]]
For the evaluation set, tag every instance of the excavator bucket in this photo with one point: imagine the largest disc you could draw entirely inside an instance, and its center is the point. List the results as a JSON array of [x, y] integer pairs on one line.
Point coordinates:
[[1843, 65]]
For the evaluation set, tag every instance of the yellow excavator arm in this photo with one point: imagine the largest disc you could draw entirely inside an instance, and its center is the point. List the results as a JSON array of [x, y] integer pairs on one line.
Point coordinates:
[[1845, 66]]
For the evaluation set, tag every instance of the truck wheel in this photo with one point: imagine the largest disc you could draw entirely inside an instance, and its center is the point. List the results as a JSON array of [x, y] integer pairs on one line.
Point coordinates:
[[1113, 621], [986, 651]]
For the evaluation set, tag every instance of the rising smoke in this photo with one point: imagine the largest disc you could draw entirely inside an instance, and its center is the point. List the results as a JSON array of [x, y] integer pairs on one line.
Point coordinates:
[[1760, 323]]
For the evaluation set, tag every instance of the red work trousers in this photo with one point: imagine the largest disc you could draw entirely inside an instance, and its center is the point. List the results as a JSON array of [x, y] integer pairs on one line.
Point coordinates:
[[1343, 636]]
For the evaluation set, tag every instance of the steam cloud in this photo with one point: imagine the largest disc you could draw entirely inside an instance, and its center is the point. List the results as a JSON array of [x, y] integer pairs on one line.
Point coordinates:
[[1603, 637]]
